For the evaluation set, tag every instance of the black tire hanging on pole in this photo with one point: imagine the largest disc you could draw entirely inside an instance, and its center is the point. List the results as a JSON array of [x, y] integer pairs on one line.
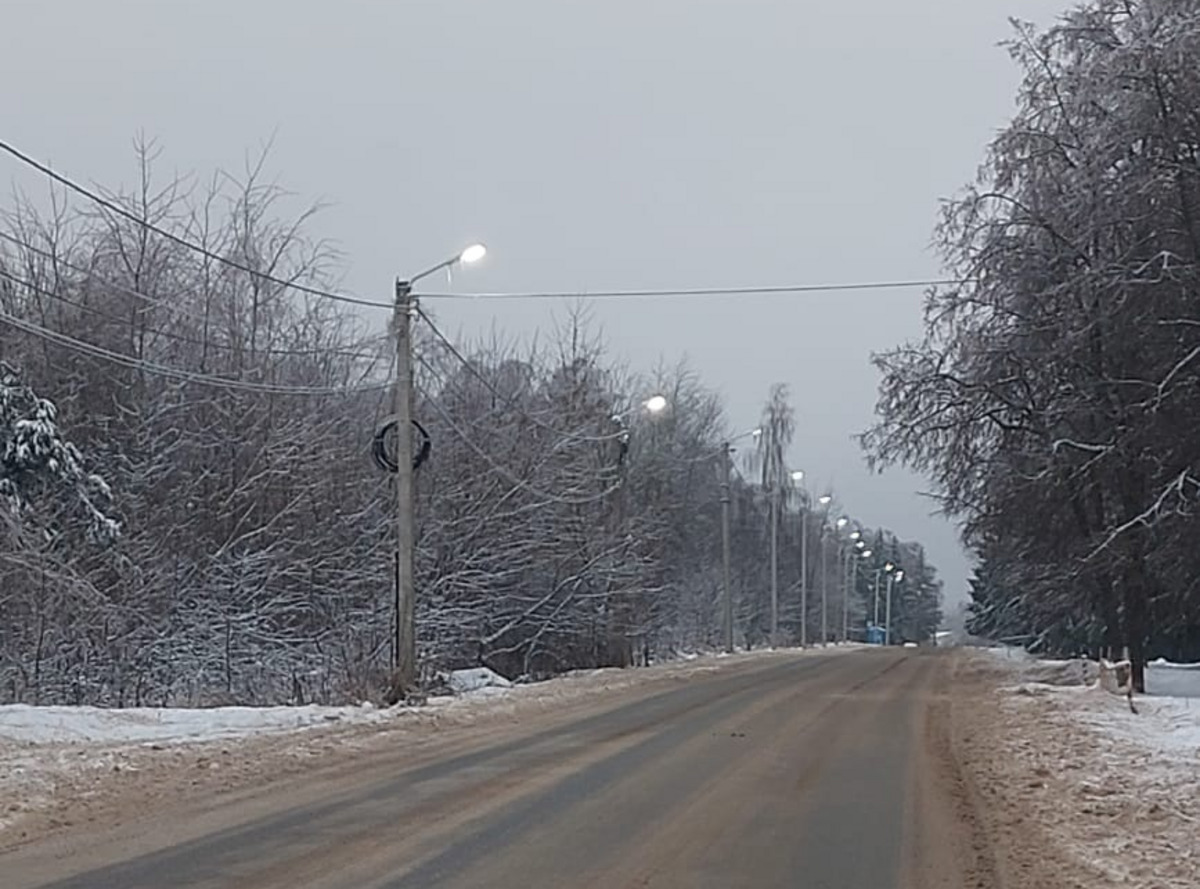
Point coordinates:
[[384, 460]]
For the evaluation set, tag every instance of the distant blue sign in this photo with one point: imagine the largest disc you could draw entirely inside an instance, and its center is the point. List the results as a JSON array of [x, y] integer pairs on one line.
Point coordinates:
[[875, 635]]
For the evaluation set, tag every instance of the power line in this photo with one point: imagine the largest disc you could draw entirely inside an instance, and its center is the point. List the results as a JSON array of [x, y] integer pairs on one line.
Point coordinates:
[[165, 306], [114, 207], [510, 476], [508, 401], [190, 341], [703, 291], [162, 370]]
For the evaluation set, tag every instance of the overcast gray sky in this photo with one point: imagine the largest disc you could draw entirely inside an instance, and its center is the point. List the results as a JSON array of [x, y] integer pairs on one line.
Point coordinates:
[[591, 145]]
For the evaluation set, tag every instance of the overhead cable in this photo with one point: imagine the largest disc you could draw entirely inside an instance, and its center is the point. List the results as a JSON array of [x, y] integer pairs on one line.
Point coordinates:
[[162, 370], [702, 291], [509, 401], [114, 207], [508, 474], [159, 302]]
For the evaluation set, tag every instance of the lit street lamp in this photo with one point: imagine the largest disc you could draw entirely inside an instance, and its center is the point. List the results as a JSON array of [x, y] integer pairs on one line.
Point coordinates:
[[849, 574], [897, 576], [798, 478], [887, 568], [655, 404], [824, 500]]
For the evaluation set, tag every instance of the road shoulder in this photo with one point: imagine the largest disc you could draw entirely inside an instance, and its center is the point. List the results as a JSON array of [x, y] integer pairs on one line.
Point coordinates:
[[1066, 803]]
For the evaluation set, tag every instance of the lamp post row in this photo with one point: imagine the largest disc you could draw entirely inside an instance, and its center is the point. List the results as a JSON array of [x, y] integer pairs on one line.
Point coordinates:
[[404, 678]]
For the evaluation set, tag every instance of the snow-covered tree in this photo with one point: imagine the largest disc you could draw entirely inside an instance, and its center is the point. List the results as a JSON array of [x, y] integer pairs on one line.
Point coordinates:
[[42, 474], [1055, 396]]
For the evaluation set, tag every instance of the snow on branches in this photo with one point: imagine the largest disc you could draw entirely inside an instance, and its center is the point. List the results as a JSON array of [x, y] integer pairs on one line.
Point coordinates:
[[35, 460]]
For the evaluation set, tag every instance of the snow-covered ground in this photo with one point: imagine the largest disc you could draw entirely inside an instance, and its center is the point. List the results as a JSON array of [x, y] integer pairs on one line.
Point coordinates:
[[25, 724], [1122, 789]]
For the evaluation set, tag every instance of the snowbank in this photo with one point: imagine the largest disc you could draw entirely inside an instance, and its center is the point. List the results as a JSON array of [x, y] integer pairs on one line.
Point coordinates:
[[1120, 789], [1173, 680], [1163, 678], [1167, 718], [463, 681], [474, 689], [52, 725]]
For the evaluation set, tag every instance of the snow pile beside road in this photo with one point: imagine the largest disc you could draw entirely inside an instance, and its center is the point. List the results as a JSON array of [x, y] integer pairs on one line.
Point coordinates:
[[26, 724], [1033, 672], [1173, 680], [463, 681], [1120, 789], [475, 689]]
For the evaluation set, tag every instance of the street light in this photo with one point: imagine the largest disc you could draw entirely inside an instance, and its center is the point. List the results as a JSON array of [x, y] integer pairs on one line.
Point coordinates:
[[798, 478], [824, 500], [849, 574], [896, 576], [405, 644], [474, 253], [726, 586], [654, 405]]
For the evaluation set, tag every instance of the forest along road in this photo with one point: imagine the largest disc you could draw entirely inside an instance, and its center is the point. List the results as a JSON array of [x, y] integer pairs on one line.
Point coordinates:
[[817, 771]]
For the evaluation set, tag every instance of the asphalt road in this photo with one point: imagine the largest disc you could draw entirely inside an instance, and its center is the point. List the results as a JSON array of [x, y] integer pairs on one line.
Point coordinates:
[[816, 771]]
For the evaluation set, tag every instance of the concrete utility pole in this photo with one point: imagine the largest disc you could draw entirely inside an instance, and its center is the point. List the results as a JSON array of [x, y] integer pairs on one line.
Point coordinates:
[[775, 563], [824, 585], [405, 678], [798, 478], [406, 635], [887, 625], [851, 565], [887, 630], [877, 573], [803, 573], [726, 589]]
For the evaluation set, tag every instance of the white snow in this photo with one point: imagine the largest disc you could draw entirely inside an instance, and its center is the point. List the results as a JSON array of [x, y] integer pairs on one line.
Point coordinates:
[[27, 724], [463, 681], [1127, 785], [1173, 680], [1168, 717]]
